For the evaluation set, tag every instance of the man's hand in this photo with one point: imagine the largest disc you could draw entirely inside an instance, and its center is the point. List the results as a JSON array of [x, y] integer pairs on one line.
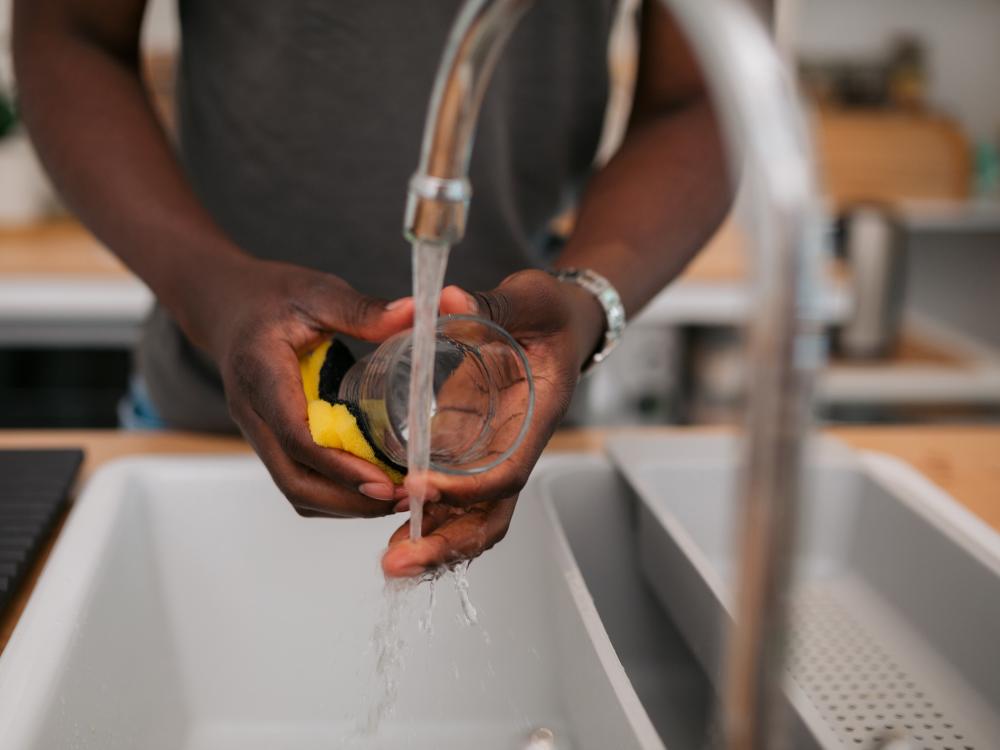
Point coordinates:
[[262, 318], [559, 327], [642, 217]]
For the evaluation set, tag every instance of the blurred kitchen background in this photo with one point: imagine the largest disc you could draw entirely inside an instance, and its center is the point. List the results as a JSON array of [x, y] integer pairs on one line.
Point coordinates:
[[905, 110]]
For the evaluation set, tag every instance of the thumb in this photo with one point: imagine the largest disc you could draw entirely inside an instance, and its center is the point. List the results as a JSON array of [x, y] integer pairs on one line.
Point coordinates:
[[528, 302], [449, 535], [345, 310], [457, 301]]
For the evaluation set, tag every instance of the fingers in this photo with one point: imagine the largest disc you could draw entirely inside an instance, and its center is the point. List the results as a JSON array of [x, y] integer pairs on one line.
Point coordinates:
[[531, 306], [260, 362], [510, 476], [335, 306], [269, 384], [309, 492], [450, 535], [457, 301], [526, 303], [433, 517], [502, 481]]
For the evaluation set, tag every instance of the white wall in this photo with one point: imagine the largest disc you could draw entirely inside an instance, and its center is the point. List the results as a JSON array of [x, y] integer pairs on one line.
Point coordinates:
[[963, 39]]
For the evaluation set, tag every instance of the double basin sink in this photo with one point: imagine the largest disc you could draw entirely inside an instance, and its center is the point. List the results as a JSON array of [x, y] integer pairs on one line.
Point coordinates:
[[186, 606]]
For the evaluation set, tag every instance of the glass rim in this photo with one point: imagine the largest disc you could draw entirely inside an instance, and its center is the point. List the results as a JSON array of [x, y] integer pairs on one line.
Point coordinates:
[[529, 411]]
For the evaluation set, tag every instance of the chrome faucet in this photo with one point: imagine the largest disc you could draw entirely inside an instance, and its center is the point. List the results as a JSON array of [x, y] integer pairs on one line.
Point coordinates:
[[766, 134], [439, 190]]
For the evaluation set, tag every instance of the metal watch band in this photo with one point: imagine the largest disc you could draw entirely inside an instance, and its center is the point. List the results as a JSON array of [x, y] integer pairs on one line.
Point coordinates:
[[609, 300]]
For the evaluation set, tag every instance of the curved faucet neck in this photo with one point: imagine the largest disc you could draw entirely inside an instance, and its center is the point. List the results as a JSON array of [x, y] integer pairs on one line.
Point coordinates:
[[439, 191], [765, 129]]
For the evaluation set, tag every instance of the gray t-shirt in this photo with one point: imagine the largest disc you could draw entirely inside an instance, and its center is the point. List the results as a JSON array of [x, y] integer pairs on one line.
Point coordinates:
[[300, 125]]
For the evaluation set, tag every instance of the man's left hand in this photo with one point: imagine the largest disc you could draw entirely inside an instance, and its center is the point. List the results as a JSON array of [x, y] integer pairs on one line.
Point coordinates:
[[559, 326]]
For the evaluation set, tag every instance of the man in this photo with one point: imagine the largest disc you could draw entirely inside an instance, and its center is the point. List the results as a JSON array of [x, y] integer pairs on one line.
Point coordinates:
[[277, 223]]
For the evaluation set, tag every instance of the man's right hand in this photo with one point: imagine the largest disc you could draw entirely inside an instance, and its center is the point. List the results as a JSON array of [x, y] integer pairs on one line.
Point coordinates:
[[83, 99], [262, 318]]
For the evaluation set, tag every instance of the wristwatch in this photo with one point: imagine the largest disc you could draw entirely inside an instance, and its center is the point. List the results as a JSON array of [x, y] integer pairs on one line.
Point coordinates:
[[610, 301]]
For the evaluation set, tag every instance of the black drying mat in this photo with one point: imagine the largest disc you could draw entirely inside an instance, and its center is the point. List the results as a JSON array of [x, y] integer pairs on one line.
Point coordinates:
[[34, 488]]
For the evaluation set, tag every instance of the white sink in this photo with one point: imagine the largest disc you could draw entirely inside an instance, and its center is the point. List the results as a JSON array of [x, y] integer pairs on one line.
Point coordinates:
[[896, 608], [187, 606]]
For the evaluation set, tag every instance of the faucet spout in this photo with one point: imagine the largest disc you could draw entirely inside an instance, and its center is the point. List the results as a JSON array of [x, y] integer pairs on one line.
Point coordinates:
[[439, 191]]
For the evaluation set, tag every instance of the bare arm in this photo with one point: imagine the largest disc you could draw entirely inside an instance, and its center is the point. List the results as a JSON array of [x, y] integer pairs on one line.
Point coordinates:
[[77, 63], [663, 194]]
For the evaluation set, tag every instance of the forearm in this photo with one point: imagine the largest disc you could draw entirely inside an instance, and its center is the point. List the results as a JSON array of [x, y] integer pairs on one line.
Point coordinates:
[[93, 125], [654, 205]]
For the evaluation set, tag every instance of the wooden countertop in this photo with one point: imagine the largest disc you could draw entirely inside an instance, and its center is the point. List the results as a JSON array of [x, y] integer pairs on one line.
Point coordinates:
[[59, 286], [63, 248], [60, 248], [963, 461]]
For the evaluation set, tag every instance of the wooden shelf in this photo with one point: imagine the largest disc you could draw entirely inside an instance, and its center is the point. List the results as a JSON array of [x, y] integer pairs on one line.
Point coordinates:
[[888, 157]]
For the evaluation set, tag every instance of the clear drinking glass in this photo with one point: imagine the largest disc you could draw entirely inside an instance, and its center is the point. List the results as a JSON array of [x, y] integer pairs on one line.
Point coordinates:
[[484, 395]]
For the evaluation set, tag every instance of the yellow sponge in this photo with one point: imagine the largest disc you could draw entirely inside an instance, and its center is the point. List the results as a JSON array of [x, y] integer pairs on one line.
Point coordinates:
[[310, 366], [333, 425]]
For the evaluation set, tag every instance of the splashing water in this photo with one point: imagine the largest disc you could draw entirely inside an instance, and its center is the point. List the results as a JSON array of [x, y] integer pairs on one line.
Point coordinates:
[[541, 739], [426, 622], [429, 263], [459, 573], [399, 604], [389, 646]]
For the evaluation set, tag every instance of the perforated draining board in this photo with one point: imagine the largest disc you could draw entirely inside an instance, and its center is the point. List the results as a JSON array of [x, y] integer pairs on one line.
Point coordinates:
[[867, 694]]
